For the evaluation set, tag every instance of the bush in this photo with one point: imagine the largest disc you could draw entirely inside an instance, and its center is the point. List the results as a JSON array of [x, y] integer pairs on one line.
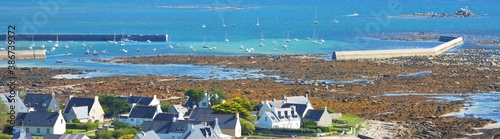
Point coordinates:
[[324, 129], [75, 126], [338, 121], [120, 125], [91, 126], [5, 136], [75, 121], [287, 130]]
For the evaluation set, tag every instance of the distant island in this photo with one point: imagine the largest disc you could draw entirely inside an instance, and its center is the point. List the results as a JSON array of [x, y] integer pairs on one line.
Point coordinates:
[[461, 13]]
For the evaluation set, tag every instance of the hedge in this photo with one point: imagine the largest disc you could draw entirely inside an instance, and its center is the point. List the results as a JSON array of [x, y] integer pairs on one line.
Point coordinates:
[[75, 126], [300, 130]]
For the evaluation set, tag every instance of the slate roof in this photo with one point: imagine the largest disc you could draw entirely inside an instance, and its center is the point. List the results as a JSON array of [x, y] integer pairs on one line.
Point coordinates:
[[79, 102], [66, 136], [20, 107], [198, 112], [138, 100], [39, 102], [272, 116], [37, 119], [300, 108], [297, 99], [180, 108], [81, 112], [165, 117], [189, 103], [314, 115], [164, 127], [226, 121], [147, 135], [201, 132], [143, 112]]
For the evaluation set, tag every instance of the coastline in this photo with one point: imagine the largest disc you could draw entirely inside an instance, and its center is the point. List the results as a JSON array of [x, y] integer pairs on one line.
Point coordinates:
[[460, 111]]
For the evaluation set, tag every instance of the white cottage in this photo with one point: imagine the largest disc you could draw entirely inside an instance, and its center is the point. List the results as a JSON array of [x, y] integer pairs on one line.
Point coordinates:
[[41, 123]]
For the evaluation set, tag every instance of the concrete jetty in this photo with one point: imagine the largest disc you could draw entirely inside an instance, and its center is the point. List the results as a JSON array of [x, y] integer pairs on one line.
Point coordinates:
[[24, 54], [450, 42], [91, 37]]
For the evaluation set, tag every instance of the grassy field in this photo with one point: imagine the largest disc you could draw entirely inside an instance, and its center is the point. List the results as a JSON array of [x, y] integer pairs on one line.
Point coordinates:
[[348, 122]]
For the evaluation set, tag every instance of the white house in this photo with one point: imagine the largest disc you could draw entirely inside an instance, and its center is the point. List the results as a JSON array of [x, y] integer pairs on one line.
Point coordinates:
[[140, 114], [41, 123], [280, 118], [301, 103], [93, 113]]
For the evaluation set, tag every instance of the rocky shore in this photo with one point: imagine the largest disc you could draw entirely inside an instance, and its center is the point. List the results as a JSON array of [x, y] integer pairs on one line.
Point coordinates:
[[488, 40], [461, 13], [463, 72]]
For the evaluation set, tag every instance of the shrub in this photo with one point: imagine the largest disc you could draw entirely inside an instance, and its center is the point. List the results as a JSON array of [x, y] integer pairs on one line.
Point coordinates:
[[5, 136], [75, 121], [75, 126], [286, 130], [91, 126], [120, 125], [324, 129]]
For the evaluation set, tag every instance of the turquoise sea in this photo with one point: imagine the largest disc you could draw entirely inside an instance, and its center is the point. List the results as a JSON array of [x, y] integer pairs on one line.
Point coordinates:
[[342, 24]]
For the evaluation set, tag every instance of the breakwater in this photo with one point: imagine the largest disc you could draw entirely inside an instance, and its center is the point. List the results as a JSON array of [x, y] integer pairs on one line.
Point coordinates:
[[91, 37], [450, 42], [24, 54]]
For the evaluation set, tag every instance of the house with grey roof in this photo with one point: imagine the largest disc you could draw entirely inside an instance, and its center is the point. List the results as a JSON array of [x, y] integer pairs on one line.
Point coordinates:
[[280, 118], [41, 102], [165, 129], [140, 114], [320, 117], [145, 101], [229, 124], [41, 123], [13, 100], [169, 117], [200, 131], [84, 109], [302, 104], [22, 134], [66, 136], [147, 135]]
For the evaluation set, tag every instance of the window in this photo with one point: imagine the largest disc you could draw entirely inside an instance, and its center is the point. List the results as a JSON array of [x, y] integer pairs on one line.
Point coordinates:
[[131, 119], [37, 130], [266, 118], [48, 130], [27, 129]]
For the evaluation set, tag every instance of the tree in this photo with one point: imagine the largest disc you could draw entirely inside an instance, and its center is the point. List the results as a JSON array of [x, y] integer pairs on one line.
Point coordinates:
[[3, 115], [194, 95], [166, 105], [113, 106], [231, 108], [128, 136], [217, 96], [247, 126], [243, 101]]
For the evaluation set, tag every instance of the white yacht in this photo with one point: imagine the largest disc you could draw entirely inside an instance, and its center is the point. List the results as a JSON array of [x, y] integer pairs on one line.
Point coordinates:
[[258, 22], [227, 40], [148, 41]]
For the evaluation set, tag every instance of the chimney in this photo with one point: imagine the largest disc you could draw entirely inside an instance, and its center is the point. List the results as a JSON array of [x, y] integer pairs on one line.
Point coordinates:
[[96, 98], [129, 94], [174, 119], [274, 99], [53, 95], [237, 117], [154, 96], [133, 105], [305, 95], [60, 112], [283, 97], [158, 107], [194, 107], [326, 109], [70, 96]]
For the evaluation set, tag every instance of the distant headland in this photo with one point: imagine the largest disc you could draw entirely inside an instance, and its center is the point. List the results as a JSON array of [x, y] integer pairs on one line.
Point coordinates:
[[461, 13]]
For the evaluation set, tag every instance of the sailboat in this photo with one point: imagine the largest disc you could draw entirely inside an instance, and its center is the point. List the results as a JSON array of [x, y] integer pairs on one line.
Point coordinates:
[[284, 42], [204, 45], [335, 19], [57, 41], [43, 45], [214, 46], [95, 53], [87, 52], [258, 23], [262, 39], [148, 41], [226, 38], [67, 46], [114, 39], [203, 26]]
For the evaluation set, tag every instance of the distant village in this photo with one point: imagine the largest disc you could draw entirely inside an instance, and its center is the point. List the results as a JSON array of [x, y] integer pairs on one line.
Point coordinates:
[[148, 118]]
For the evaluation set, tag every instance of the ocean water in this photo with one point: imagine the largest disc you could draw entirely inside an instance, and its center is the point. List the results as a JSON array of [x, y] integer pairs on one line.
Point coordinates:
[[481, 105], [278, 20]]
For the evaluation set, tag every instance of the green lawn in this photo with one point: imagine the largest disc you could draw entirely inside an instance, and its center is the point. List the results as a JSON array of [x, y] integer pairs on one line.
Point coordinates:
[[350, 121]]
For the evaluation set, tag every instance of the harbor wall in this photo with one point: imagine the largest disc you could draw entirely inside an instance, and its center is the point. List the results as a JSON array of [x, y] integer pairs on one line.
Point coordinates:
[[381, 54], [24, 54], [90, 37]]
